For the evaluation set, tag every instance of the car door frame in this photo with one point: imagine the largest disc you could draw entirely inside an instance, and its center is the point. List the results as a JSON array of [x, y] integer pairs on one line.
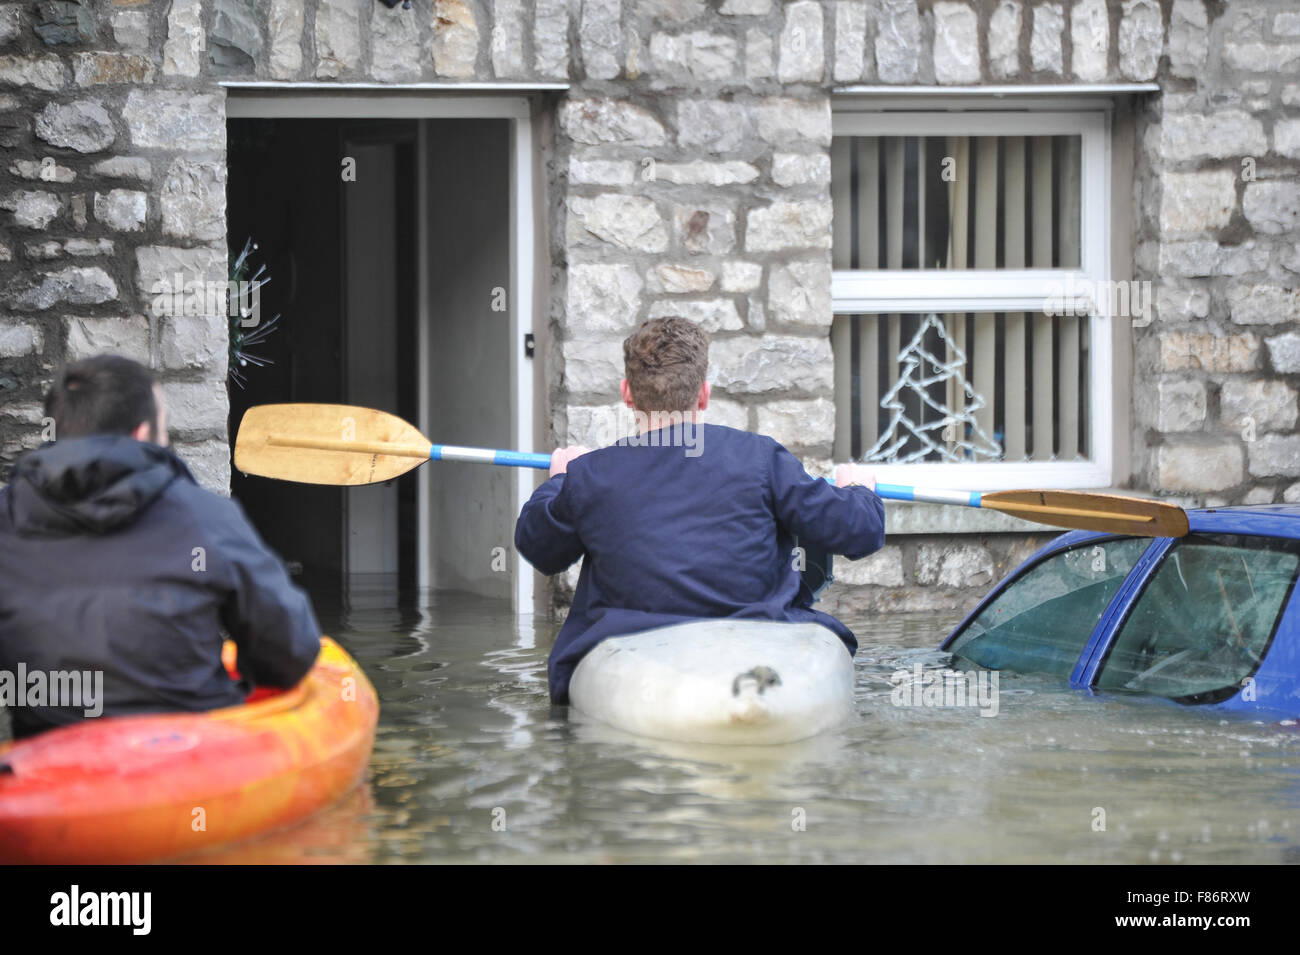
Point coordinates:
[[1276, 689], [1095, 651]]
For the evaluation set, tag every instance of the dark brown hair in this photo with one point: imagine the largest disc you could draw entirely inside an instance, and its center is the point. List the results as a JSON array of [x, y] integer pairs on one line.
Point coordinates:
[[665, 361], [106, 394]]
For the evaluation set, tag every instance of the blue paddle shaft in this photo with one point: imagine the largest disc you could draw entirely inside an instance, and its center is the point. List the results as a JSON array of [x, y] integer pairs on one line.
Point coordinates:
[[528, 459], [901, 492], [513, 459], [928, 495]]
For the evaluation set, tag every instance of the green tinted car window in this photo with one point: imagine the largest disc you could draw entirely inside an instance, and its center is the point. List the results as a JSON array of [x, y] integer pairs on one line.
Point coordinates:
[[1205, 618], [1042, 621]]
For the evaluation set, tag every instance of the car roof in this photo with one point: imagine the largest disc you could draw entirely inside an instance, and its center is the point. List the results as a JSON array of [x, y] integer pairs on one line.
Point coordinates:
[[1262, 520], [1270, 520]]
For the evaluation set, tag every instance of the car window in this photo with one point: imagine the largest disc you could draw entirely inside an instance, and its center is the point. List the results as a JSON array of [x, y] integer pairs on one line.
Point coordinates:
[[1205, 619], [1042, 621]]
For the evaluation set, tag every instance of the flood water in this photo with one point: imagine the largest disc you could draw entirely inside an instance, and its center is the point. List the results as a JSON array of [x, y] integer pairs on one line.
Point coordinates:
[[473, 764]]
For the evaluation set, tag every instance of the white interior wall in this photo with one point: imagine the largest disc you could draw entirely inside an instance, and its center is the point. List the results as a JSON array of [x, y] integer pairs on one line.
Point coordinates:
[[468, 259]]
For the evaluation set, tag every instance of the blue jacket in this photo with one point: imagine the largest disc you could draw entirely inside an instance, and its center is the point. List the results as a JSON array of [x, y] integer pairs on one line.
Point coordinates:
[[113, 559], [672, 533]]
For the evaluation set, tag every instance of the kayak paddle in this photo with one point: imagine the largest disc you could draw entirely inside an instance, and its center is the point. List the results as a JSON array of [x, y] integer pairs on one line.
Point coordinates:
[[348, 445], [1079, 510]]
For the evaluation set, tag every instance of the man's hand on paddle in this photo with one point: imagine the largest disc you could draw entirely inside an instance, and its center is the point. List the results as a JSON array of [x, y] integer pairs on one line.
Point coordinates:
[[561, 457], [847, 474]]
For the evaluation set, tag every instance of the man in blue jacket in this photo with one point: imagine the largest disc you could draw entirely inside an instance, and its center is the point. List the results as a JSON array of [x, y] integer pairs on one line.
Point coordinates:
[[685, 520], [114, 561]]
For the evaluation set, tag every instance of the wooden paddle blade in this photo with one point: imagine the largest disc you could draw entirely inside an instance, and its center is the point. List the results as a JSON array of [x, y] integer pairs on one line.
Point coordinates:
[[276, 441], [1092, 512]]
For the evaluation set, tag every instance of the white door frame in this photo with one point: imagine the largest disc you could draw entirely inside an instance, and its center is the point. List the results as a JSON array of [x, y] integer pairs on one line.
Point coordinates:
[[340, 101]]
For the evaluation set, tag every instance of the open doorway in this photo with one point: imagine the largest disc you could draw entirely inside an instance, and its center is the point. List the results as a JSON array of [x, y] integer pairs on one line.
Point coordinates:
[[389, 246]]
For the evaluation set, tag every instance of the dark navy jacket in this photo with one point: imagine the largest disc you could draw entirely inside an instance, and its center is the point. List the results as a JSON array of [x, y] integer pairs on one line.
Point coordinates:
[[112, 558], [670, 536]]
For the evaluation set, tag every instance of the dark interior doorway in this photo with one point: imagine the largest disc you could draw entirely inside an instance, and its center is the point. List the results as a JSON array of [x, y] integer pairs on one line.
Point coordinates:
[[388, 243], [286, 190]]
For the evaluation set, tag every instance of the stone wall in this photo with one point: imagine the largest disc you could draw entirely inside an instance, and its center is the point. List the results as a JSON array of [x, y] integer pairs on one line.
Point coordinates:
[[689, 173], [927, 572], [1218, 217], [113, 162]]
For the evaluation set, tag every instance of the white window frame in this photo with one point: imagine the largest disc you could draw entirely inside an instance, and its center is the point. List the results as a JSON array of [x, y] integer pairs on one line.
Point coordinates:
[[884, 291]]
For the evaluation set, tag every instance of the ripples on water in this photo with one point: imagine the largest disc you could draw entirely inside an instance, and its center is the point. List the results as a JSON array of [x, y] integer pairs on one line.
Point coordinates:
[[473, 764]]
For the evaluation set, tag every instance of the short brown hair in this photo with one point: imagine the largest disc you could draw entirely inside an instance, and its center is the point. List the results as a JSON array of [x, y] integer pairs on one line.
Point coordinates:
[[106, 394], [665, 361]]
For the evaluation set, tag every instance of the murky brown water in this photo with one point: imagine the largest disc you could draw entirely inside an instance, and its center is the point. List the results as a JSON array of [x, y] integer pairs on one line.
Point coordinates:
[[473, 764]]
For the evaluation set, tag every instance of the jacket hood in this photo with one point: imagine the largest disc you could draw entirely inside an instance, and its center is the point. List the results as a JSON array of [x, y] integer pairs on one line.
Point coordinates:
[[90, 485]]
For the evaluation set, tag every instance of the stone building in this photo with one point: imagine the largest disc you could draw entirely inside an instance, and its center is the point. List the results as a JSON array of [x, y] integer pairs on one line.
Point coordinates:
[[464, 206]]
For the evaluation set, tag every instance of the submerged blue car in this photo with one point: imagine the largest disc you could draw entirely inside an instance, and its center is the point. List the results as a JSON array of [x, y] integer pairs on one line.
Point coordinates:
[[1209, 620]]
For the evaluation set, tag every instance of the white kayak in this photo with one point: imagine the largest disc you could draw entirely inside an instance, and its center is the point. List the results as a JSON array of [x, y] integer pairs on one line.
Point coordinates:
[[719, 681]]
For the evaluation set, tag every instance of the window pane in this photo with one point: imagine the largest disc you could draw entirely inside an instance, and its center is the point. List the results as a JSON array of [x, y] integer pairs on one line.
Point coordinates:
[[1203, 622], [956, 202], [1042, 621], [961, 387]]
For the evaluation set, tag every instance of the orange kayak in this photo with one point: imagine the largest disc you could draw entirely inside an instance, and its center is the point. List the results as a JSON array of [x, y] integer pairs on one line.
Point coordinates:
[[142, 788]]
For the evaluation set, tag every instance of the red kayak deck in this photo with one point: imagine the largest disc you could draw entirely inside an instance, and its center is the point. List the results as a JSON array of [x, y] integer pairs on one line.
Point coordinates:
[[142, 788]]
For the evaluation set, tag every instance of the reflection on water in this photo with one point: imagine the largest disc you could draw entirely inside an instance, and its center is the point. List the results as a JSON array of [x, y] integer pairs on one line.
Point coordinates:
[[343, 833], [473, 764]]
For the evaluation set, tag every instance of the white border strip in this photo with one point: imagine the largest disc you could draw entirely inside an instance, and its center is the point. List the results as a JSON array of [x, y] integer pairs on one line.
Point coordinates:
[[392, 87], [424, 487], [264, 104], [521, 321], [1053, 89]]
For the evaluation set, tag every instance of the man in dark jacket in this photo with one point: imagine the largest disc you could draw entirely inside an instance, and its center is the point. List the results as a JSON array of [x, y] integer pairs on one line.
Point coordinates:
[[685, 520], [113, 560]]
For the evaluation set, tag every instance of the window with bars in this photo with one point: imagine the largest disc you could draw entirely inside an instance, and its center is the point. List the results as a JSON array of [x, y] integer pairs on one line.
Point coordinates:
[[956, 238]]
